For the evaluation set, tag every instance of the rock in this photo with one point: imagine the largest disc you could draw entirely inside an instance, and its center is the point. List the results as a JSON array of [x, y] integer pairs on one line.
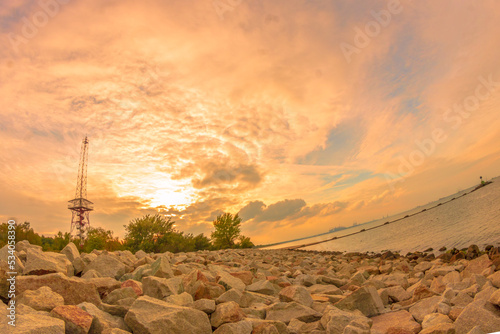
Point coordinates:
[[495, 279], [476, 330], [245, 276], [472, 252], [422, 266], [4, 257], [485, 293], [421, 292], [434, 319], [229, 282], [232, 295], [183, 299], [71, 252], [77, 320], [398, 294], [481, 313], [226, 312], [114, 296], [267, 326], [149, 315], [424, 307], [161, 268], [400, 320], [137, 286], [107, 266], [265, 287], [42, 263], [140, 254], [335, 320], [324, 289], [24, 246], [461, 299], [33, 323], [495, 298], [285, 312], [358, 326], [204, 305], [477, 266], [91, 274], [114, 331], [241, 327], [296, 293], [101, 320], [105, 285], [444, 328], [159, 288], [366, 299], [74, 290], [42, 299]]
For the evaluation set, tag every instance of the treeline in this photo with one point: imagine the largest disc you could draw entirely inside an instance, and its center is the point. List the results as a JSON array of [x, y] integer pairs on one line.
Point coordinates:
[[149, 233]]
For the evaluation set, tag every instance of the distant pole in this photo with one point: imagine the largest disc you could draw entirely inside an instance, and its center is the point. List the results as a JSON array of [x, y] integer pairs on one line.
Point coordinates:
[[80, 206]]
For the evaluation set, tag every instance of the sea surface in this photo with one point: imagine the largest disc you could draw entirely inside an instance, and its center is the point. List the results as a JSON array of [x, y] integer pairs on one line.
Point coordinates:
[[473, 218]]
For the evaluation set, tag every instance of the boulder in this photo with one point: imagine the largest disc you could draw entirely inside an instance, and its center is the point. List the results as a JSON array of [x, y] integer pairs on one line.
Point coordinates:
[[366, 299], [245, 276], [226, 312], [116, 295], [101, 320], [229, 282], [424, 307], [149, 315], [390, 322], [4, 256], [140, 254], [240, 327], [285, 312], [398, 294], [335, 320], [481, 313], [183, 299], [107, 266], [42, 299], [324, 289], [477, 266], [77, 320], [33, 323], [136, 285], [71, 252], [495, 298], [495, 279], [104, 285], [434, 319], [264, 287], [74, 290], [24, 246], [444, 328], [205, 305], [232, 295], [42, 263], [161, 268], [296, 293]]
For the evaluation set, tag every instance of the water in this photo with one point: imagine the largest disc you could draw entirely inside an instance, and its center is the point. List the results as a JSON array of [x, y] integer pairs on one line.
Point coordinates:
[[470, 219]]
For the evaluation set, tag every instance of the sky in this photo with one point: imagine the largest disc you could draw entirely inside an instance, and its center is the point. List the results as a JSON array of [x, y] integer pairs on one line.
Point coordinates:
[[300, 115]]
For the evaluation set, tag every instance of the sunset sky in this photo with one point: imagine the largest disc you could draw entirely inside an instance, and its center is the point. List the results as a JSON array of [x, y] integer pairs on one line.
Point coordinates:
[[301, 115]]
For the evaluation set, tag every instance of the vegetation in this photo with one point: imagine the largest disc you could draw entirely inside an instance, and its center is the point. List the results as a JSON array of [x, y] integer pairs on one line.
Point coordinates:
[[149, 233]]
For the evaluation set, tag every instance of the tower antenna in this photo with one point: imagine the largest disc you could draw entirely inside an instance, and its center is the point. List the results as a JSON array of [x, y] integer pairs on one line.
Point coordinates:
[[80, 206]]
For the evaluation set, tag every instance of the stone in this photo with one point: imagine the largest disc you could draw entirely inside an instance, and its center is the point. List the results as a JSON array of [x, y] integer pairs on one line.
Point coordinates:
[[444, 328], [149, 315], [91, 274], [205, 305], [435, 319], [366, 299], [104, 285], [101, 320], [183, 299], [114, 331], [495, 279], [476, 330], [481, 313], [245, 276], [335, 320], [285, 312], [114, 296], [477, 266], [230, 282], [24, 246], [421, 292], [240, 327], [358, 326], [325, 289], [136, 285], [74, 290], [424, 307], [140, 254], [159, 288], [226, 312], [398, 294], [388, 322], [232, 295], [77, 320], [71, 252], [42, 299], [423, 266], [161, 268], [472, 252], [495, 298], [296, 293], [33, 323], [267, 326], [107, 266], [265, 287], [4, 257], [461, 299], [42, 263]]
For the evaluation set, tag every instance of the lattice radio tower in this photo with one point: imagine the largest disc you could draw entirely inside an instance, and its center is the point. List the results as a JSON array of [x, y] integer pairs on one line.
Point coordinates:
[[80, 206]]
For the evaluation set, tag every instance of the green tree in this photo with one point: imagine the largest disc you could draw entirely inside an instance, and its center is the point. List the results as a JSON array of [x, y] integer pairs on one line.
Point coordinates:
[[99, 238], [227, 230], [245, 242], [201, 242], [148, 233]]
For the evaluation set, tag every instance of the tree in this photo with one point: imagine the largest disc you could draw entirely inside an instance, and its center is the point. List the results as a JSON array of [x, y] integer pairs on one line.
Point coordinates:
[[148, 233], [99, 238], [227, 230], [201, 242], [245, 242]]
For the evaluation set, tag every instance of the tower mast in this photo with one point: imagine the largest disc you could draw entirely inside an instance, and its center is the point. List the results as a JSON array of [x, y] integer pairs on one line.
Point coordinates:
[[80, 206]]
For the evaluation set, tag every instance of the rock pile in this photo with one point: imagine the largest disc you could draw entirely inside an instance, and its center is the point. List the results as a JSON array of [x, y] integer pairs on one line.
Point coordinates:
[[253, 292]]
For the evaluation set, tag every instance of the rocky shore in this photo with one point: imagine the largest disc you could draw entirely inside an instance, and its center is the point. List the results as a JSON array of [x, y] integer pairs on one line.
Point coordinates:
[[251, 291]]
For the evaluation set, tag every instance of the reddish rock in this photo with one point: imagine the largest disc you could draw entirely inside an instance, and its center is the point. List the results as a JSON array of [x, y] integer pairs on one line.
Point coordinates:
[[455, 312], [422, 292], [137, 286], [284, 284], [395, 322], [226, 312], [77, 320], [245, 276], [208, 290]]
